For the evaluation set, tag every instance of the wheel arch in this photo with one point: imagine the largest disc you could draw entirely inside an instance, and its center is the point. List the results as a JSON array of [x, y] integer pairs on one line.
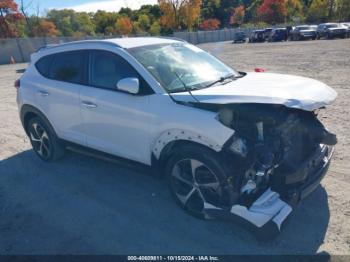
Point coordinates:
[[173, 138], [28, 112]]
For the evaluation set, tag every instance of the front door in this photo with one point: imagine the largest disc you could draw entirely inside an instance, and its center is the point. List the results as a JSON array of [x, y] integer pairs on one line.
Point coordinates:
[[115, 122]]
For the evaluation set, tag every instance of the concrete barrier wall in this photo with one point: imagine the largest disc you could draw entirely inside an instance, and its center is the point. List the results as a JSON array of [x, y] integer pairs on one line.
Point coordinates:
[[207, 36], [210, 36], [20, 49]]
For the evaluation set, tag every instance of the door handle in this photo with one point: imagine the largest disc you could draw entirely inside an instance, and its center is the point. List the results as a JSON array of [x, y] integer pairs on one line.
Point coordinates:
[[43, 93], [88, 104]]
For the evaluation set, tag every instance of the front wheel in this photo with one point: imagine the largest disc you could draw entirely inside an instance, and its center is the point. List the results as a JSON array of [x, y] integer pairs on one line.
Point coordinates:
[[44, 141], [196, 175]]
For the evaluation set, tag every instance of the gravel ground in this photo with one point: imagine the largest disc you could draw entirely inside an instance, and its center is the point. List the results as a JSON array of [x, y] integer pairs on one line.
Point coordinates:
[[82, 205]]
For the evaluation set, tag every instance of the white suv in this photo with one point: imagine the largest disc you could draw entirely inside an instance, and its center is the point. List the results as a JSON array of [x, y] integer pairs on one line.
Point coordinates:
[[237, 144]]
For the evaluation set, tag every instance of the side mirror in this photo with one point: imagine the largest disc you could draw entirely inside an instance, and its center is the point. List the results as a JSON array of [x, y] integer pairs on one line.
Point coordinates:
[[130, 85]]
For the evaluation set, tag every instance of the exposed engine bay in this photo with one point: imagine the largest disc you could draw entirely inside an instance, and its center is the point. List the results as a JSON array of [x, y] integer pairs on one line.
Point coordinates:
[[273, 150]]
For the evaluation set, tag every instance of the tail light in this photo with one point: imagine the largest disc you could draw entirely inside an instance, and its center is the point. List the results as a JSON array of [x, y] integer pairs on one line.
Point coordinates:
[[259, 70], [17, 84]]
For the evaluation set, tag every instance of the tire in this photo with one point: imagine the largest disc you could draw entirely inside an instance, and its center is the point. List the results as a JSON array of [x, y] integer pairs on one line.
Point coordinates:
[[208, 182], [45, 143]]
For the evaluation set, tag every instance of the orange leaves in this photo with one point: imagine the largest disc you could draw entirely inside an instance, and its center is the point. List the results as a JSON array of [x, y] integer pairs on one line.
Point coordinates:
[[9, 17], [210, 24], [272, 11], [46, 28], [238, 15], [179, 13], [124, 26]]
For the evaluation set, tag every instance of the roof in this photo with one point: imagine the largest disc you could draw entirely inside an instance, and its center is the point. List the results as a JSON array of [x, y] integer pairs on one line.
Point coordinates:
[[119, 42], [140, 41]]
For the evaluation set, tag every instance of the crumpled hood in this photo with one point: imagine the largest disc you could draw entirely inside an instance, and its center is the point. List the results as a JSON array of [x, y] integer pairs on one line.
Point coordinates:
[[266, 88]]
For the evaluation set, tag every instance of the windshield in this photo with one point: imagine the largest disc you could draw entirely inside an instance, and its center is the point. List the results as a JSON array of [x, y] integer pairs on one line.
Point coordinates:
[[331, 26], [181, 67], [305, 28]]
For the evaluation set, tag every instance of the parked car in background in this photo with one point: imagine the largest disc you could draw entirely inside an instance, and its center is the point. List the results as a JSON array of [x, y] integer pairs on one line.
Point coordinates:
[[267, 32], [347, 25], [278, 35], [289, 29], [331, 30], [239, 37], [257, 36], [303, 32]]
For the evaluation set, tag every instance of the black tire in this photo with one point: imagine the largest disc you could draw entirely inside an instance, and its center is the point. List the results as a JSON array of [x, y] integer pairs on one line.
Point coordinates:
[[45, 143], [212, 172]]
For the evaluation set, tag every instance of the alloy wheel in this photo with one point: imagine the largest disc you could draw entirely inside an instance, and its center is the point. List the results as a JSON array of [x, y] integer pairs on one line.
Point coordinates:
[[194, 184], [40, 141]]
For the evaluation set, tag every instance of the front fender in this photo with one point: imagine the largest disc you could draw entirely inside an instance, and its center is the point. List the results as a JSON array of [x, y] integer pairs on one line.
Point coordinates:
[[173, 135]]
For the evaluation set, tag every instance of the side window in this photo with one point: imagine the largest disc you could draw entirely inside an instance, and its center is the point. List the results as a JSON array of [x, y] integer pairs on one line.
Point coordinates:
[[43, 65], [106, 69], [68, 67]]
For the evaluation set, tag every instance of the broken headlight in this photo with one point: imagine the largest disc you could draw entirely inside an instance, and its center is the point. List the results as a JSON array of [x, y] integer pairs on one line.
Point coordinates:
[[239, 146]]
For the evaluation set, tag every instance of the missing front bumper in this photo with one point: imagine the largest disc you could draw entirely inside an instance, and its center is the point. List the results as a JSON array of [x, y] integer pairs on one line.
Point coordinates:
[[265, 216]]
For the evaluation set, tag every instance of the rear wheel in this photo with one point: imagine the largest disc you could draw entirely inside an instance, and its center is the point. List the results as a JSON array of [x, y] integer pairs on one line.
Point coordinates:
[[44, 142], [196, 176]]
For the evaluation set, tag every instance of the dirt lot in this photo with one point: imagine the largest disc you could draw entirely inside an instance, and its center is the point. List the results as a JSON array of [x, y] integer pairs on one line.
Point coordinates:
[[82, 205]]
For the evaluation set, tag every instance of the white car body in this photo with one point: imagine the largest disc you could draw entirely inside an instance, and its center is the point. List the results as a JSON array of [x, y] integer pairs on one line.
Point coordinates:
[[138, 123], [139, 127]]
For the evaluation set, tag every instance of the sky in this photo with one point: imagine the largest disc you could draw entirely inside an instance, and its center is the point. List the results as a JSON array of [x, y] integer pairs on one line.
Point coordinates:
[[82, 5]]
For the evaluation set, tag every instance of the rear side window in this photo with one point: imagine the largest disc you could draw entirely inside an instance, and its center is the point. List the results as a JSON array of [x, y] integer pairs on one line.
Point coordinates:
[[68, 67], [43, 65]]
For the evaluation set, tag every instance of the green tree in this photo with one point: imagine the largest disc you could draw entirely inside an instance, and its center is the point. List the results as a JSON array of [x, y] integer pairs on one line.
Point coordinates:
[[318, 11], [155, 28], [343, 10], [210, 8], [294, 10], [144, 22], [85, 24], [105, 22]]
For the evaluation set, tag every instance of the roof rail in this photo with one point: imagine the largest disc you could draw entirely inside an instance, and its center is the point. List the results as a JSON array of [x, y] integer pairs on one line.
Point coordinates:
[[77, 42]]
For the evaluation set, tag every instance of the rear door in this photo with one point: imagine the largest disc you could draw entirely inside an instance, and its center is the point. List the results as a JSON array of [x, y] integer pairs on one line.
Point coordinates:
[[58, 96], [115, 122]]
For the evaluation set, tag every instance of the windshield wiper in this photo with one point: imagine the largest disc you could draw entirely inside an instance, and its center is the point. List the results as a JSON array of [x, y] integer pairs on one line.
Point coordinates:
[[188, 89], [222, 79]]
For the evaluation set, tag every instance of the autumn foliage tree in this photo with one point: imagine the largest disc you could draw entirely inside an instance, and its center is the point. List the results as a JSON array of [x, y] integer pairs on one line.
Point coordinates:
[[45, 28], [210, 24], [190, 13], [238, 15], [179, 12], [124, 26], [294, 10], [9, 18], [272, 11]]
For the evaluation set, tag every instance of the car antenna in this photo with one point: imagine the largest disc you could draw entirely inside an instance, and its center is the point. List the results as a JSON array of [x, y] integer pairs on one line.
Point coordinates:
[[186, 87]]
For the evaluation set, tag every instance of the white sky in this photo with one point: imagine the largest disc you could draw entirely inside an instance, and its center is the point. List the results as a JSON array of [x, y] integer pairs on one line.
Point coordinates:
[[111, 5]]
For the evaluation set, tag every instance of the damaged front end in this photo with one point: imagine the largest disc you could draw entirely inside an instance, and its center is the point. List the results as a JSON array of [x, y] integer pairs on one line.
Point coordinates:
[[277, 155]]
